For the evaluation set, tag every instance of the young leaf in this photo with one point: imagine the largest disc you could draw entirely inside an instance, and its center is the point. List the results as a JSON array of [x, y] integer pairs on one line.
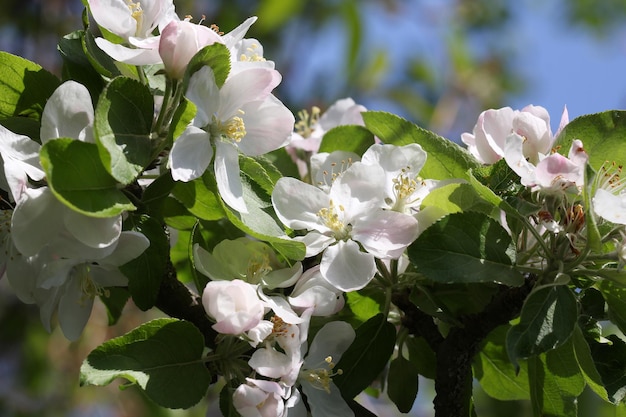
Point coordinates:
[[402, 383], [215, 56], [83, 185], [586, 364], [366, 357], [602, 135], [123, 122], [555, 382], [76, 65], [162, 356], [200, 198], [610, 362], [445, 158], [24, 87], [146, 272], [497, 375], [547, 320], [349, 138], [463, 248]]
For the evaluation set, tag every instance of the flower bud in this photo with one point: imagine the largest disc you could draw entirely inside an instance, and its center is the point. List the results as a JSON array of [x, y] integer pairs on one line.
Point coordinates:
[[234, 305]]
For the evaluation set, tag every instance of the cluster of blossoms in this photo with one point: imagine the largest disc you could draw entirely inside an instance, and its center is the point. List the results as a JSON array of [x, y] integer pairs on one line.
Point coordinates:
[[273, 291]]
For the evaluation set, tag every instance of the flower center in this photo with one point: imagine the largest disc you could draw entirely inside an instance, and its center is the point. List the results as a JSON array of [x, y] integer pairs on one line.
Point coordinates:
[[251, 54], [233, 128], [137, 13], [258, 267], [320, 378], [610, 178], [404, 187], [88, 286], [334, 221], [306, 125], [335, 172]]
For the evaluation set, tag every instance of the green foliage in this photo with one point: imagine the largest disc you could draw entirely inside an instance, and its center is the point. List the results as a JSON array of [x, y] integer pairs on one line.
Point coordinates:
[[366, 357], [123, 122], [84, 185], [146, 272], [350, 138], [216, 57], [402, 383], [463, 248], [24, 87], [547, 320], [162, 356]]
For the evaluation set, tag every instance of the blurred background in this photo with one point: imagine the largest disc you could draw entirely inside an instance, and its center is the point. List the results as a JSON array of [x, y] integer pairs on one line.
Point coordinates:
[[438, 63]]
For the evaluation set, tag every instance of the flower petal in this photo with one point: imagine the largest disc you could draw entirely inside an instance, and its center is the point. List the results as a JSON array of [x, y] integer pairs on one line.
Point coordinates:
[[346, 268], [384, 233], [191, 154], [227, 176], [297, 204], [68, 114]]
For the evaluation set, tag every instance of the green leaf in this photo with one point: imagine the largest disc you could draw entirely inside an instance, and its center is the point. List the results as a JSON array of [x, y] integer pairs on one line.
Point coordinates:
[[256, 172], [364, 304], [24, 87], [215, 56], [555, 382], [603, 136], [586, 364], [547, 320], [162, 356], [610, 361], [123, 122], [445, 159], [349, 138], [615, 296], [402, 383], [146, 272], [176, 215], [114, 298], [200, 197], [458, 197], [200, 280], [422, 356], [594, 238], [76, 65], [183, 115], [463, 248], [497, 375], [100, 60], [366, 357], [77, 178]]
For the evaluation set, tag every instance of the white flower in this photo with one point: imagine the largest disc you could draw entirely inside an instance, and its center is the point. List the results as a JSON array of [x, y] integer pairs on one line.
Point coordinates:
[[68, 113], [234, 305], [318, 368], [70, 284], [609, 201], [134, 22], [242, 116], [313, 292], [250, 260], [20, 161], [259, 398], [349, 213], [531, 124]]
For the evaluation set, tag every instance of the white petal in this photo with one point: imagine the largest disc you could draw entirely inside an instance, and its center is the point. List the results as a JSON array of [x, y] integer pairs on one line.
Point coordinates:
[[346, 268], [610, 207], [74, 310], [129, 246], [205, 94], [191, 154], [93, 231], [269, 125], [325, 404], [245, 86], [297, 204], [385, 234], [515, 159], [68, 114], [315, 242], [227, 176], [396, 158], [132, 56], [331, 340]]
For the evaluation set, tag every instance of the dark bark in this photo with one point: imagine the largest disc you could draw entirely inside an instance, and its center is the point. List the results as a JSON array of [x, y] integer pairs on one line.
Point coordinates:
[[455, 352]]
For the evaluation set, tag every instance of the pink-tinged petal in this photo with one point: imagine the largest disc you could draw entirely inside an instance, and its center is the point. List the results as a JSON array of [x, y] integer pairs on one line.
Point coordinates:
[[37, 218], [342, 112], [577, 154], [385, 234], [515, 159], [74, 309], [68, 114], [556, 172], [297, 204], [132, 56], [245, 86], [227, 176], [92, 231], [191, 154], [564, 121], [346, 268], [269, 125]]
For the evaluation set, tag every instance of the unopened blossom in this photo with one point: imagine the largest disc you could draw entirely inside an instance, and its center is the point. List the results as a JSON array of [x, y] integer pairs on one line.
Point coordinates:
[[241, 116], [554, 174], [260, 398], [531, 125], [134, 22], [341, 220], [609, 201], [234, 305], [250, 260], [180, 41]]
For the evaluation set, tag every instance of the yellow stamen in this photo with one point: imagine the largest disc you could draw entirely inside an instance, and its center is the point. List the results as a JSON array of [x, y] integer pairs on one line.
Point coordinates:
[[306, 125]]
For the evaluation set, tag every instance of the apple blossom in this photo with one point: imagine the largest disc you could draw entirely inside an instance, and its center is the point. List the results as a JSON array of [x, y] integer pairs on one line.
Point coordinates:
[[250, 260], [20, 161], [134, 22], [531, 124], [180, 41], [327, 167], [259, 398], [350, 212], [313, 292], [242, 116], [68, 113], [234, 305]]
